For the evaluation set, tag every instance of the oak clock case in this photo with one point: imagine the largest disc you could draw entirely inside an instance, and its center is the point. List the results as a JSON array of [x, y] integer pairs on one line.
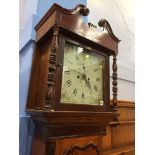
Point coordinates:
[[69, 89]]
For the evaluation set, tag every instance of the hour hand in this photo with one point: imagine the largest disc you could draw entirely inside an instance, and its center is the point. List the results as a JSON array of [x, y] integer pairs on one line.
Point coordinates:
[[84, 68]]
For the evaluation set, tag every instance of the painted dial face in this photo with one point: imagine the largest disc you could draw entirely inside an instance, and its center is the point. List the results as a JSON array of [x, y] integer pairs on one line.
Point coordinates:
[[82, 80]]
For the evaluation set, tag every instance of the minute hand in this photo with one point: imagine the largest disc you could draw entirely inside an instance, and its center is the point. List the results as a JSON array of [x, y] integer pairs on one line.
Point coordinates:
[[77, 71]]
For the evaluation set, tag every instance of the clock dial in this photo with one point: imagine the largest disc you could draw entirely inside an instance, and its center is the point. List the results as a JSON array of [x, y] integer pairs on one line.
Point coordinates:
[[82, 80]]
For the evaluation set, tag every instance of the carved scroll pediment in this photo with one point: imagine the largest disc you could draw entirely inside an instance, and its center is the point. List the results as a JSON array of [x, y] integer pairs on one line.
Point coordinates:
[[79, 9], [71, 150], [105, 24]]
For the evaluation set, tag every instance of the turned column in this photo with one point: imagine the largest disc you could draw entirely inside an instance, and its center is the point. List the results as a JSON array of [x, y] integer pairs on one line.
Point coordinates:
[[114, 82]]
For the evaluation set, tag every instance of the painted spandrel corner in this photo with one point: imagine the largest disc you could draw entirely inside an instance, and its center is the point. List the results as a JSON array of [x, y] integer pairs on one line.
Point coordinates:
[[76, 77]]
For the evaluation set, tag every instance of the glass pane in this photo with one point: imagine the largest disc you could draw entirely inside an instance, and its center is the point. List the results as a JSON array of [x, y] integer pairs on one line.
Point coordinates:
[[82, 81]]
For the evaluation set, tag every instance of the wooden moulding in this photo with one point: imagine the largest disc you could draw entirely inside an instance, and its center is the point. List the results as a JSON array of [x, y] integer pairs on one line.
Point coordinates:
[[56, 125], [125, 103], [70, 117]]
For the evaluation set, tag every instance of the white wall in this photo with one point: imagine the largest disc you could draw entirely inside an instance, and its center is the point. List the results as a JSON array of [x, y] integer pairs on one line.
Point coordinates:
[[24, 76], [26, 10], [120, 15]]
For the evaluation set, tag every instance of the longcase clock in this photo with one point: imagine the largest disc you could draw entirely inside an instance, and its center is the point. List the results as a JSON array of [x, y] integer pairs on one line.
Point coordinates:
[[69, 90]]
